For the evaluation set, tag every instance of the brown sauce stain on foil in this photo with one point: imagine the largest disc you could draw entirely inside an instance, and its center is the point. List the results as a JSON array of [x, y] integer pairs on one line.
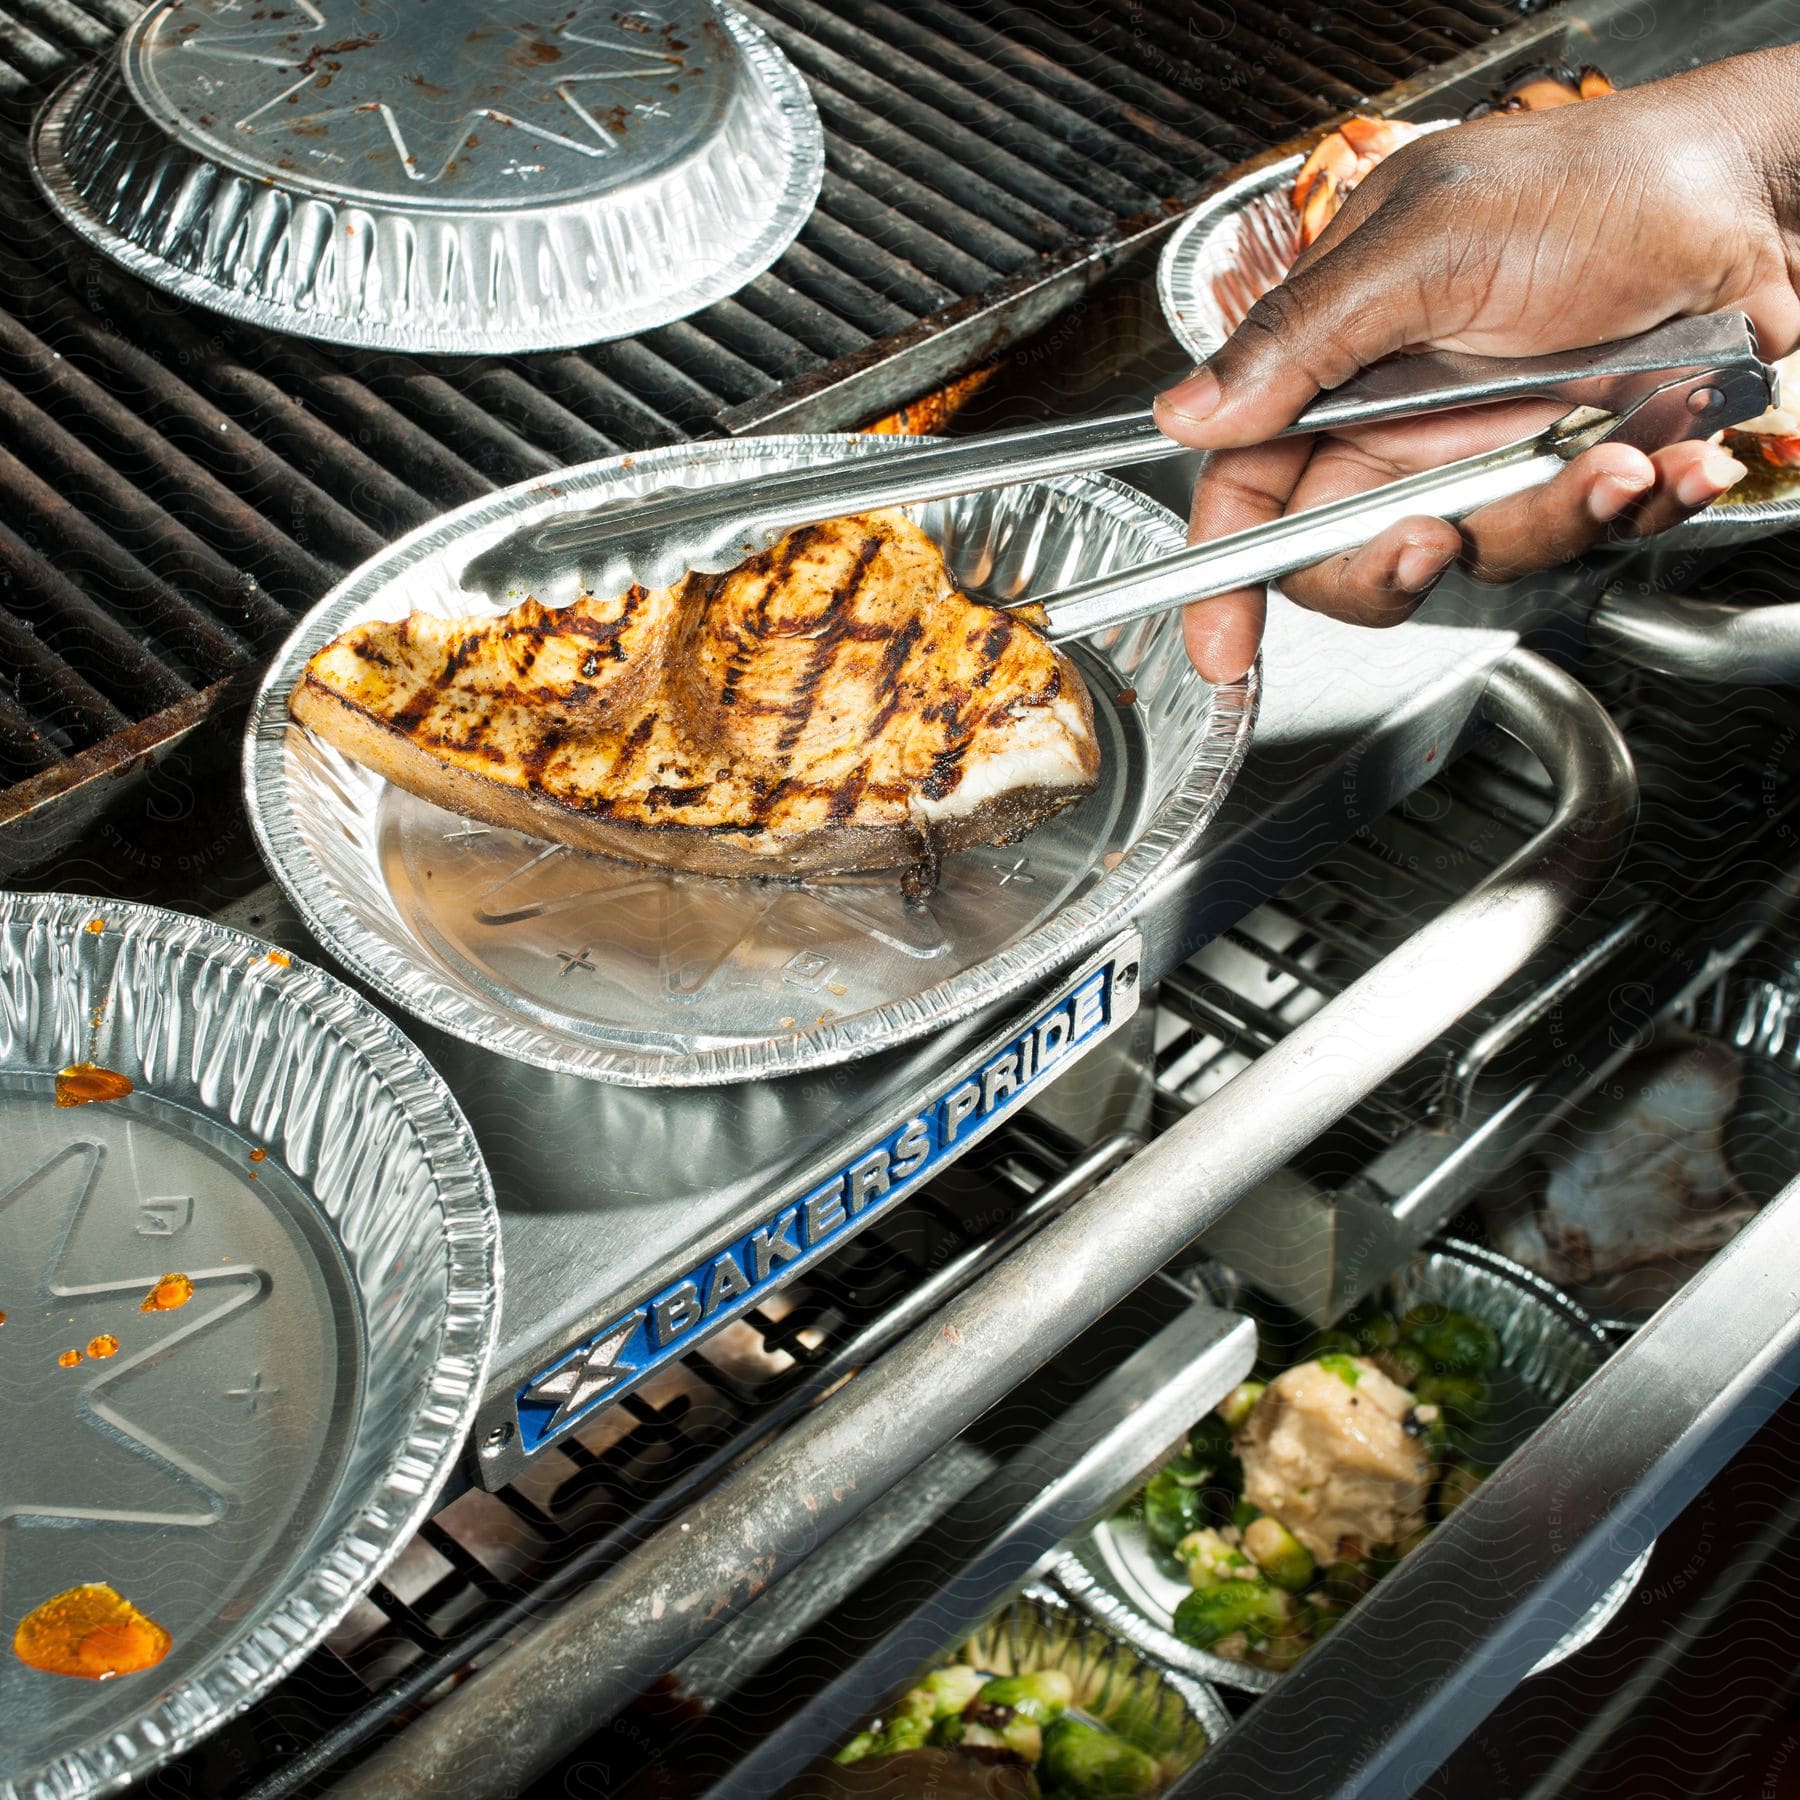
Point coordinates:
[[81, 1084], [169, 1293], [92, 1632]]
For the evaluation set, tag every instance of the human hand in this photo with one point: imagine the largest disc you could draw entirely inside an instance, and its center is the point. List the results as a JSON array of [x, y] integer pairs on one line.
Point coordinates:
[[1512, 235]]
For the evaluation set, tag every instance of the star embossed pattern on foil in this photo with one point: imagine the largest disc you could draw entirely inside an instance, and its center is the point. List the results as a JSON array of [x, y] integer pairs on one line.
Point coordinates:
[[328, 73], [92, 1457]]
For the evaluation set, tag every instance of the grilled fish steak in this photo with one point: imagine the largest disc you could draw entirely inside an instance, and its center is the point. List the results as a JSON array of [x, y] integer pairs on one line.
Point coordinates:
[[830, 705]]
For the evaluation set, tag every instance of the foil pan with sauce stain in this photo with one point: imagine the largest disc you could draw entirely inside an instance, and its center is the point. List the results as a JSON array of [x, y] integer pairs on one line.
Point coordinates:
[[1239, 243], [448, 180], [1548, 1348], [643, 976], [248, 1266]]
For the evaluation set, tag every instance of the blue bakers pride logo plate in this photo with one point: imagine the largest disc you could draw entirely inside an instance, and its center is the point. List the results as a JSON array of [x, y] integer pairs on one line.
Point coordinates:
[[806, 1227]]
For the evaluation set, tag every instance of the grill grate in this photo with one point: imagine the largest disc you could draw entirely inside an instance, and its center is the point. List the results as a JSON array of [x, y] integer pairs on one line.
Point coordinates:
[[1250, 987], [175, 489]]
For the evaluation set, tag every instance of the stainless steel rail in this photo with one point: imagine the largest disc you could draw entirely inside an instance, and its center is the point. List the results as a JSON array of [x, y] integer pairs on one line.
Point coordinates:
[[1464, 1618], [592, 1656], [1068, 1475], [1701, 639]]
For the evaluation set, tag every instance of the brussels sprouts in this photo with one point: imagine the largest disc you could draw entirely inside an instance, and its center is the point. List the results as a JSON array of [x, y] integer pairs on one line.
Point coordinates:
[[1211, 1557], [1453, 1342], [904, 1731], [1407, 1364], [1040, 1695], [1237, 1406], [1345, 1583], [1085, 1762], [1463, 1397], [1172, 1510], [1291, 1641], [952, 1689], [1000, 1728], [1460, 1480], [1244, 1515], [1335, 1343], [1279, 1554], [915, 1703], [1250, 1606], [863, 1744], [1373, 1330], [1209, 1445]]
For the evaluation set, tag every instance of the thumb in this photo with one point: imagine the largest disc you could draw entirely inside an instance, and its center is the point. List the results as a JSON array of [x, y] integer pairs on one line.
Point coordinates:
[[1355, 304]]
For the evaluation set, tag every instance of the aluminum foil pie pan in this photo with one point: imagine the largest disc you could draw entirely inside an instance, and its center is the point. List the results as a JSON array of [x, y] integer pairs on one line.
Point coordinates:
[[651, 977], [451, 179], [1548, 1347], [1236, 245], [240, 1450]]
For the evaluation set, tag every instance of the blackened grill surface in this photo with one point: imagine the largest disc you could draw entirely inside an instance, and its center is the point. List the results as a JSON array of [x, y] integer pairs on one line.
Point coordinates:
[[176, 489]]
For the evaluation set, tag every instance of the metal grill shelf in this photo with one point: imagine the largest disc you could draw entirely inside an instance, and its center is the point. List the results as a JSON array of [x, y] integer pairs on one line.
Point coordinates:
[[175, 488]]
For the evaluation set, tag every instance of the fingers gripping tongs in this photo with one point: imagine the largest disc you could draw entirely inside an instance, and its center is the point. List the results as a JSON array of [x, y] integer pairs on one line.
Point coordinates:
[[1686, 379]]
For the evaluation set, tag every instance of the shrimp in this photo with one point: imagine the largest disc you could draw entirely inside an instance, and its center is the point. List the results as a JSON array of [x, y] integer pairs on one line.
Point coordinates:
[[1340, 160]]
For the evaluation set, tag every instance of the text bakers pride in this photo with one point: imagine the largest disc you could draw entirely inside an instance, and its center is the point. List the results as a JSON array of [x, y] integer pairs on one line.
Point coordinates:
[[606, 1365], [873, 1176]]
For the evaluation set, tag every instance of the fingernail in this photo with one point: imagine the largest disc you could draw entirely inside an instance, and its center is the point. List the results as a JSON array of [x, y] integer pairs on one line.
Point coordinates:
[[1612, 493], [1716, 471], [1419, 566], [1196, 396]]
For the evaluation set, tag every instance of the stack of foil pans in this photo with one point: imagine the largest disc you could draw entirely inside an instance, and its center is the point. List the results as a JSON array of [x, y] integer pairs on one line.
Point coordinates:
[[439, 178]]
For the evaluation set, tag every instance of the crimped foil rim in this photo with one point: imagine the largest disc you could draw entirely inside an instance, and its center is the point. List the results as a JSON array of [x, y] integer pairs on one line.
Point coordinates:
[[1090, 1589], [786, 91], [1049, 1612], [271, 1641], [421, 988], [1178, 272]]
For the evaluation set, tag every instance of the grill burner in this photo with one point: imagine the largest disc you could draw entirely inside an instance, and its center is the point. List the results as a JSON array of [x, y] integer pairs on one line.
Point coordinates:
[[175, 490]]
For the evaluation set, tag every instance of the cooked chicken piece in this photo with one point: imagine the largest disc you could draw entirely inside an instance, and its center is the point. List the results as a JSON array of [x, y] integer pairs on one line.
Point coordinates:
[[1639, 1178], [832, 704], [1327, 1453]]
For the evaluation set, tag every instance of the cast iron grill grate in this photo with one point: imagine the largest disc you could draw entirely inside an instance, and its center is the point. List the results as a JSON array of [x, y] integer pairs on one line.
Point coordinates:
[[175, 489]]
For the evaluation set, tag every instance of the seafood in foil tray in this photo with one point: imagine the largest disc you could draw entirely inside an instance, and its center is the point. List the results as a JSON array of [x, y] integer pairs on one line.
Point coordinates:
[[1639, 1185], [833, 704]]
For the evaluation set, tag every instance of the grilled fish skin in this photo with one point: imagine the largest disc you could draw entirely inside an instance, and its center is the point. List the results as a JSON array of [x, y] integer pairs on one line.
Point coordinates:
[[833, 704]]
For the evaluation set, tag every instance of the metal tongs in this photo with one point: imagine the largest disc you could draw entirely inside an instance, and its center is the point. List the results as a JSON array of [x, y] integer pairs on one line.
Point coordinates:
[[1686, 379]]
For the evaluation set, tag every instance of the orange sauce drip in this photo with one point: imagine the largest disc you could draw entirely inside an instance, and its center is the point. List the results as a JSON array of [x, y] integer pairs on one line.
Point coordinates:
[[68, 1359], [80, 1084], [103, 1346], [96, 926], [172, 1291], [90, 1631], [258, 1155], [2, 1316], [281, 959]]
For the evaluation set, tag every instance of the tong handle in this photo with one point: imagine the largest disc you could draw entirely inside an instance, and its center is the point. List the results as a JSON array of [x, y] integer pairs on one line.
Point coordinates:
[[661, 537], [1267, 552], [1651, 405]]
